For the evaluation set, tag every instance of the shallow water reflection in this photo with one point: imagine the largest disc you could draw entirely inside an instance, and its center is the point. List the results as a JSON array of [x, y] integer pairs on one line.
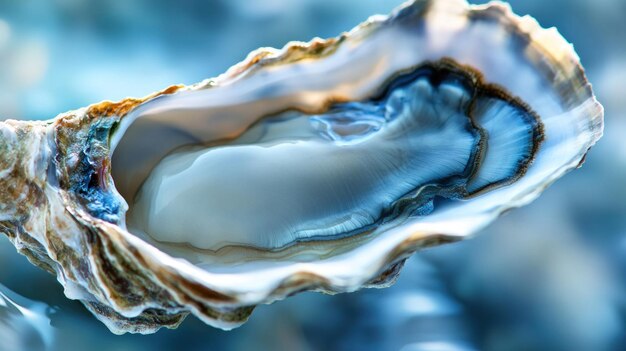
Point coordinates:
[[24, 324]]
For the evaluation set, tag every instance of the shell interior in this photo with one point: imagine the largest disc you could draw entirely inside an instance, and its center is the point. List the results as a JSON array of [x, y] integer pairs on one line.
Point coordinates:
[[346, 173]]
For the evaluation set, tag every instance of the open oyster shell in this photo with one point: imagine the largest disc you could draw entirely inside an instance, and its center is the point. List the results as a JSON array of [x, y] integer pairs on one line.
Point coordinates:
[[320, 166]]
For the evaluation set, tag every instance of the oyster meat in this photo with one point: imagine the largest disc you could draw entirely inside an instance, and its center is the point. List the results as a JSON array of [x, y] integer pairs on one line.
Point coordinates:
[[320, 166]]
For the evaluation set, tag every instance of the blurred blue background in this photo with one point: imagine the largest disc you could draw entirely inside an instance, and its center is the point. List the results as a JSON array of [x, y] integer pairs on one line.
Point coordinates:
[[549, 276]]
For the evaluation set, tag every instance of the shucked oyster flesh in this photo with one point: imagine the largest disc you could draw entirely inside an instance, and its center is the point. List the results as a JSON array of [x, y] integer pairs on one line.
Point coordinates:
[[298, 177], [320, 166]]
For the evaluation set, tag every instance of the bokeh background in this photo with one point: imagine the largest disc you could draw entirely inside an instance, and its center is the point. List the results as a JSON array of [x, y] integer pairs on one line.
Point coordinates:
[[549, 276]]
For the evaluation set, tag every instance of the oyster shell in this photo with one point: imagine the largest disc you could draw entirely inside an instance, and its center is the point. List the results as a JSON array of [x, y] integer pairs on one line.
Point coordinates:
[[321, 166]]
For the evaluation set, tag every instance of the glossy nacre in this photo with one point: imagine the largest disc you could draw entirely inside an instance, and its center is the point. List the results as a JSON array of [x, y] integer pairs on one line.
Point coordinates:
[[297, 177]]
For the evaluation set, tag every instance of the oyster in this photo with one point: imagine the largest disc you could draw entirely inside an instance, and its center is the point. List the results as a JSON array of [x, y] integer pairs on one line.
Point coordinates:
[[321, 166]]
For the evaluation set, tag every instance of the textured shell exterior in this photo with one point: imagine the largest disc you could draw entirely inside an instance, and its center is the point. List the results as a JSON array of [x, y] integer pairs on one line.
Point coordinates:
[[60, 208]]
